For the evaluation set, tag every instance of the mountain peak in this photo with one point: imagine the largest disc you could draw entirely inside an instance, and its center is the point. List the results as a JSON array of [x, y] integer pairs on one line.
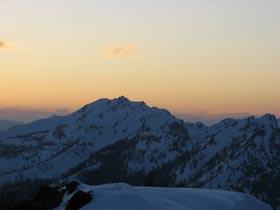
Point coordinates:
[[123, 99], [269, 119], [269, 116], [106, 101], [115, 104]]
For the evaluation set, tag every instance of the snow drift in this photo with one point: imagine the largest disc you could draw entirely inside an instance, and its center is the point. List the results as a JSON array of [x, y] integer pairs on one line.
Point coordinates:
[[125, 197]]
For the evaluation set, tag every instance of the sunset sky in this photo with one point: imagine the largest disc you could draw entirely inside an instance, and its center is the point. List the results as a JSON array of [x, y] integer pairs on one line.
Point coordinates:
[[197, 58]]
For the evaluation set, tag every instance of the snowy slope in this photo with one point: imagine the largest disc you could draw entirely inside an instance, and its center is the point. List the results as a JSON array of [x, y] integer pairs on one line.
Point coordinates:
[[125, 197]]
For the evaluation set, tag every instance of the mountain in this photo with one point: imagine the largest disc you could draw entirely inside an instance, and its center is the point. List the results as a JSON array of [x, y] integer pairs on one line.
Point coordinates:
[[47, 148], [7, 124], [122, 141], [237, 155]]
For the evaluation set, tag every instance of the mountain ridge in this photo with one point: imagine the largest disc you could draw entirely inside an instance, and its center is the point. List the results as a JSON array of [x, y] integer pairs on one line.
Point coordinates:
[[122, 141]]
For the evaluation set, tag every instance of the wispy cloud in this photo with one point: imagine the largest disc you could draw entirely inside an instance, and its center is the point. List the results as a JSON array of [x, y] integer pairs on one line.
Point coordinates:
[[120, 50], [28, 114], [5, 45]]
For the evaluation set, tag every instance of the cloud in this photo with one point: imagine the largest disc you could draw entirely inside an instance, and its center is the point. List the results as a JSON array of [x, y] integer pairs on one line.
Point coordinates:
[[28, 114], [120, 50], [5, 45], [211, 118]]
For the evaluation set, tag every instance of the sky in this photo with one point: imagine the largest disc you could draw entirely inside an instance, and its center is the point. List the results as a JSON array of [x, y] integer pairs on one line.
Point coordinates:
[[200, 59]]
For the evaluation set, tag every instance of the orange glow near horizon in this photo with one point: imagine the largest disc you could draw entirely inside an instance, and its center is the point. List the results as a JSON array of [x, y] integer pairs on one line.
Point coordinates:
[[184, 56]]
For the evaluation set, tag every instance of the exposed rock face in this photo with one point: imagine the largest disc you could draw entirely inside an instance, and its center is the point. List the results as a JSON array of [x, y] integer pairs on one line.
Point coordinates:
[[78, 200]]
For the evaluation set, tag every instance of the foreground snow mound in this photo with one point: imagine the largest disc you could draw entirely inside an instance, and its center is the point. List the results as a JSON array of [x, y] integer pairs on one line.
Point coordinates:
[[126, 197]]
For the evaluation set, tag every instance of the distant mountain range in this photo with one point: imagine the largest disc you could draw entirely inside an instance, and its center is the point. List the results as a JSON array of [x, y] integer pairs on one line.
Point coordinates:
[[7, 124], [123, 141]]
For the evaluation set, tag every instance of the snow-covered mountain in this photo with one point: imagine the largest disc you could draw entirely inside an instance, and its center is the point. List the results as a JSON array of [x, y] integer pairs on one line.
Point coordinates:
[[48, 148], [7, 124], [122, 141], [126, 197], [237, 155]]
